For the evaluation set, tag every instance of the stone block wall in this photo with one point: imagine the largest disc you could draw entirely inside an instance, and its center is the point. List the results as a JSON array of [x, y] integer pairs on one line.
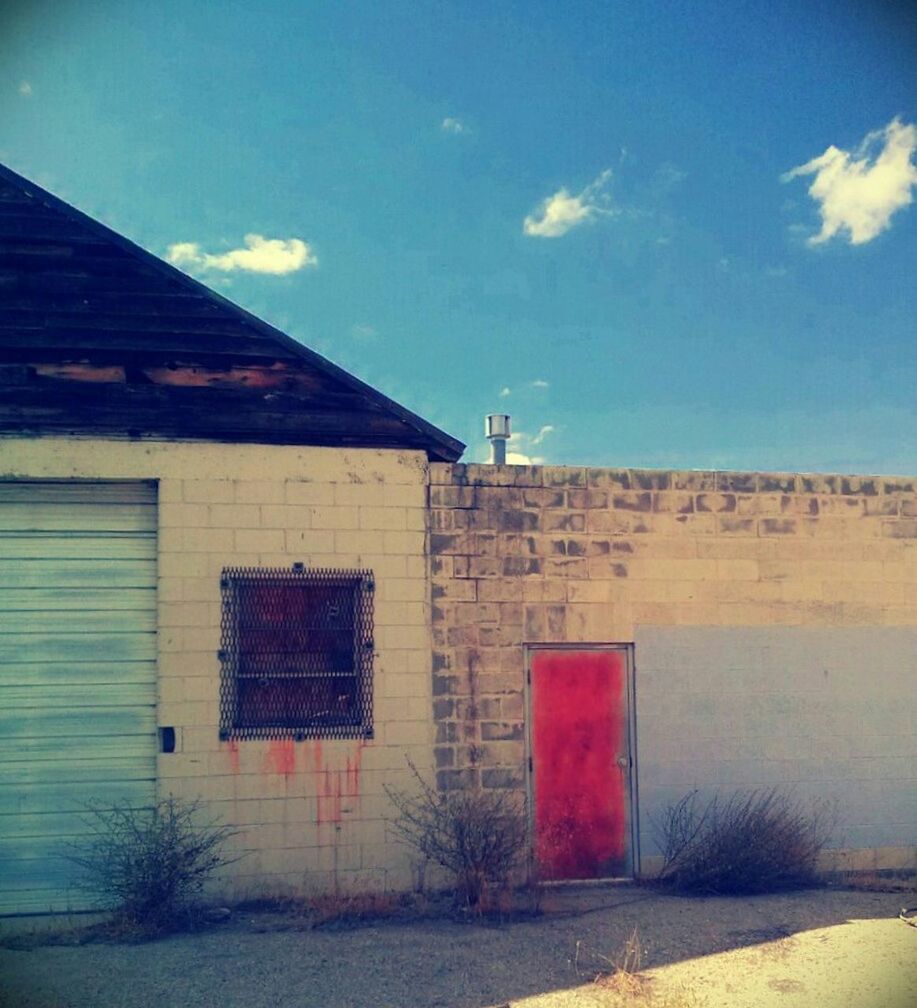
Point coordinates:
[[574, 555]]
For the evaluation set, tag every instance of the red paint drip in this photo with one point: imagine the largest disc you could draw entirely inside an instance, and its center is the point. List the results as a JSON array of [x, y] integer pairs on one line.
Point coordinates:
[[281, 755], [336, 784], [578, 733], [329, 801], [232, 747], [353, 772]]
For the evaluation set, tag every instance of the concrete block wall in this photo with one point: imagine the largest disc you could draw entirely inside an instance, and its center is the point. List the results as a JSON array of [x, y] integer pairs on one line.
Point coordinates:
[[310, 814], [525, 554]]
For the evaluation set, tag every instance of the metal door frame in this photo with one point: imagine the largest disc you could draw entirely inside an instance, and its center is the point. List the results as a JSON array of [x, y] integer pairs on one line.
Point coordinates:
[[630, 720]]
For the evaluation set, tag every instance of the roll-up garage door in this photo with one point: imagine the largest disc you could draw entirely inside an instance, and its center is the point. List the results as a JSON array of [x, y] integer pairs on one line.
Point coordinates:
[[77, 675]]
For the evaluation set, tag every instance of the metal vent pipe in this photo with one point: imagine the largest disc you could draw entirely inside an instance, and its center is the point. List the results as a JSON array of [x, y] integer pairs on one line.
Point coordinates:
[[496, 427]]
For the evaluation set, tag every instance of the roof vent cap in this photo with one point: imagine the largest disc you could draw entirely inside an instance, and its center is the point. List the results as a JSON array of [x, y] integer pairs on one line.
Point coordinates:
[[496, 427]]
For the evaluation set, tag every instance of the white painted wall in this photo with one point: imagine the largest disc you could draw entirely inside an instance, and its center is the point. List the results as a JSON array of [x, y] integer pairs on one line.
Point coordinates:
[[830, 713]]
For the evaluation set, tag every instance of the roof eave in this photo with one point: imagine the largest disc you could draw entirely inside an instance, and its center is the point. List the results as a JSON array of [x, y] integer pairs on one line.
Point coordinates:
[[441, 447]]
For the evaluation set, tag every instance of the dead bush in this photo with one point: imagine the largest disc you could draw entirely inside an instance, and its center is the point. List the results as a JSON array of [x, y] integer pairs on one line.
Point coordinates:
[[149, 866], [753, 842], [477, 835]]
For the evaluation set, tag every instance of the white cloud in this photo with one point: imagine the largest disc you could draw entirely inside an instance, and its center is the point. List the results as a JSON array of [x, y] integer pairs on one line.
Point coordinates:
[[858, 193], [561, 212], [505, 391], [260, 255], [540, 383], [362, 331], [667, 177], [25, 89], [451, 125], [519, 449]]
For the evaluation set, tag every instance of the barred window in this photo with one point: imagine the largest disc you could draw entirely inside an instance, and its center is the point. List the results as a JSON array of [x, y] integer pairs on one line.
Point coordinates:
[[296, 653]]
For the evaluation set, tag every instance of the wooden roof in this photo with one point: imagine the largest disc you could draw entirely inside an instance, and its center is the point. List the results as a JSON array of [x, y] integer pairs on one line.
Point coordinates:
[[98, 336]]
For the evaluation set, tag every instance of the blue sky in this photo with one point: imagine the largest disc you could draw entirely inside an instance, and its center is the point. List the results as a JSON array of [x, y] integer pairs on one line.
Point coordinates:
[[582, 214]]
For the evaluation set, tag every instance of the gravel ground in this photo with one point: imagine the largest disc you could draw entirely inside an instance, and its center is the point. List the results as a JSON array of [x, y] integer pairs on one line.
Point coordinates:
[[834, 947]]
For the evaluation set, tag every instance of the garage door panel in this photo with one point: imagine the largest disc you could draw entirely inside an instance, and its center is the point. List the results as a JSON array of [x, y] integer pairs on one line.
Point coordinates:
[[78, 573], [94, 695], [79, 771], [60, 721], [42, 902], [54, 674], [44, 517], [74, 746], [72, 492], [107, 546], [69, 622], [77, 675], [34, 798], [20, 647], [46, 600], [49, 825]]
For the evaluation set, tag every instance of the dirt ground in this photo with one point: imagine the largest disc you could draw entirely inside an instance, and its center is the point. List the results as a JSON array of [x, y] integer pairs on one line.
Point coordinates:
[[830, 947]]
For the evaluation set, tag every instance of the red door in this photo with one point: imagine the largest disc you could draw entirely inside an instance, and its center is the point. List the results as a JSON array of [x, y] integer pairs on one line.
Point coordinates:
[[580, 763]]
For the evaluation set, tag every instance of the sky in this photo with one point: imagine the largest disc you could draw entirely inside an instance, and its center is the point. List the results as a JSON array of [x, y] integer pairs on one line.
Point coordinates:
[[660, 235]]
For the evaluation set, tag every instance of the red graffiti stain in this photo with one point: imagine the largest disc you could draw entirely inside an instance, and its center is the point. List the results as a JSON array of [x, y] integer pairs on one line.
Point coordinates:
[[337, 783], [578, 730], [329, 801], [232, 747], [313, 756], [353, 771], [281, 754]]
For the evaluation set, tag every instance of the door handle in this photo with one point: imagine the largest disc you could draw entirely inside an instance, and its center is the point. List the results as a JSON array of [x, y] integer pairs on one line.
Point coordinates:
[[623, 762]]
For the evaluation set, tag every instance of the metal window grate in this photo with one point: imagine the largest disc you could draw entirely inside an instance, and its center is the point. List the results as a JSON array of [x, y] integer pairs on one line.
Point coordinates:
[[296, 653]]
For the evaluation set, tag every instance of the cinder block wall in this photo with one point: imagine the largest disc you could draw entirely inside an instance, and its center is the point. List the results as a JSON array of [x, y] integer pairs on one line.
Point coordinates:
[[310, 814], [573, 555]]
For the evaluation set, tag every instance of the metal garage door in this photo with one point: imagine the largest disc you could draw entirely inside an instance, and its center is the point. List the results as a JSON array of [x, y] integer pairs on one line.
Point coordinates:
[[77, 674]]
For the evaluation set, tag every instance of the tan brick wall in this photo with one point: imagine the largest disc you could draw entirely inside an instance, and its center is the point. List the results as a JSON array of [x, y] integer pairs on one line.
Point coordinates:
[[240, 505], [573, 555]]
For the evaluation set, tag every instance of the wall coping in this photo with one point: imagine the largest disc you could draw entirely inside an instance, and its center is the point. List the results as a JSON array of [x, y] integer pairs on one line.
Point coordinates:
[[698, 480]]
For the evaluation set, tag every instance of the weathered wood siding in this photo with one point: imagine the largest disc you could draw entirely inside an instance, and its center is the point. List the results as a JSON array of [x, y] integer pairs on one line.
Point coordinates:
[[97, 336]]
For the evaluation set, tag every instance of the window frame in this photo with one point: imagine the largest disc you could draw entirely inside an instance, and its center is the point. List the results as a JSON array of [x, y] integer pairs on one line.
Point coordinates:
[[236, 619]]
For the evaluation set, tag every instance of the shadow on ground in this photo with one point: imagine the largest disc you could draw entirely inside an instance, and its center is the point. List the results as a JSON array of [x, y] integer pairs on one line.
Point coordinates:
[[697, 952]]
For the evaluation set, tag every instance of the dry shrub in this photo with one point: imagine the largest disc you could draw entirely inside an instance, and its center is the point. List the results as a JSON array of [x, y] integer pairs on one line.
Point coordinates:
[[149, 866], [477, 835], [353, 908], [753, 842]]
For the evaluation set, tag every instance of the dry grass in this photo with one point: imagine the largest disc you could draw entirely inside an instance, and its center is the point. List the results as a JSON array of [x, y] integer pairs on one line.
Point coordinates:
[[623, 977], [878, 881], [628, 987], [302, 911], [355, 907]]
